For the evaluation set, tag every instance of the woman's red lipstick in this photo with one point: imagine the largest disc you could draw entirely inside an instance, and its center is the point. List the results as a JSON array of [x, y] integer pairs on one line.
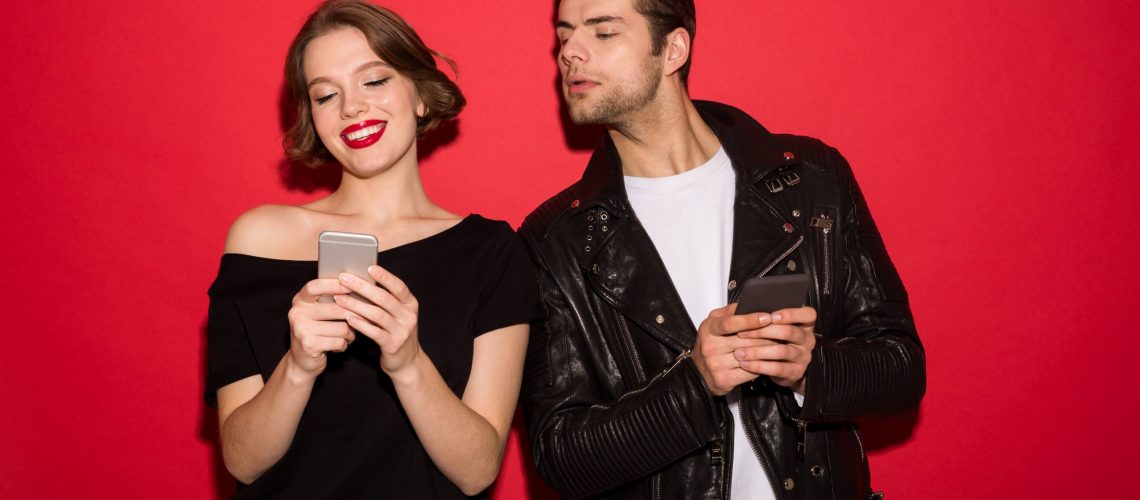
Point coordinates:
[[363, 134]]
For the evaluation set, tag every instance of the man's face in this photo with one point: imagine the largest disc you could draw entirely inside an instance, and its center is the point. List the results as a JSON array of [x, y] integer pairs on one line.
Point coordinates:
[[608, 70]]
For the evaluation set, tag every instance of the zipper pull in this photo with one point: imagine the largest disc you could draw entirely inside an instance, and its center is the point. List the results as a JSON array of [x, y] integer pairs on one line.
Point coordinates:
[[801, 443], [716, 452], [822, 222]]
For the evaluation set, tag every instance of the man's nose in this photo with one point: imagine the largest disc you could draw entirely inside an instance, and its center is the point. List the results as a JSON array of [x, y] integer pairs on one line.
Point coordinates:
[[572, 52]]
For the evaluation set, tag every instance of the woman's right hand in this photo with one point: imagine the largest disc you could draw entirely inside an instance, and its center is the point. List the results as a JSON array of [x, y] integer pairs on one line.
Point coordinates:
[[317, 327]]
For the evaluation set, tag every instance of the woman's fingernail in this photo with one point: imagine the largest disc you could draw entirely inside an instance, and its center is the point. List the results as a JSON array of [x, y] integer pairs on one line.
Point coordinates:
[[345, 278]]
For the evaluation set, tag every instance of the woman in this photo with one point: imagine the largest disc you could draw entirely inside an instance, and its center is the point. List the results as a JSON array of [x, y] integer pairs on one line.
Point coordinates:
[[410, 393]]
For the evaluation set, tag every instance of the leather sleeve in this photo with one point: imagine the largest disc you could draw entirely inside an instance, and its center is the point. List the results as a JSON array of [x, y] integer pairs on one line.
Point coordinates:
[[875, 365], [585, 441]]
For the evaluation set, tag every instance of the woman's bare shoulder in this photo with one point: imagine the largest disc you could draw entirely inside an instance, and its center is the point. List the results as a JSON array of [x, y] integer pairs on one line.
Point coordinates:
[[272, 231]]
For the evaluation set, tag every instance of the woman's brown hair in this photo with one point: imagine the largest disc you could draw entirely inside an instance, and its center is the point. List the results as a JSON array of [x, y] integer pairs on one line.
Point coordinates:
[[390, 38]]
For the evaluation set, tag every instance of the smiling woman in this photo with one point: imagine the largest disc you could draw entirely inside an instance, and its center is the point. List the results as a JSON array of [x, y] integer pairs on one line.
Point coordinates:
[[346, 79], [390, 43], [407, 387]]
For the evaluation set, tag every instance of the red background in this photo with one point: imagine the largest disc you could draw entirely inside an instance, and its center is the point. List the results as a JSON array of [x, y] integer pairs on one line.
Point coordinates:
[[994, 140]]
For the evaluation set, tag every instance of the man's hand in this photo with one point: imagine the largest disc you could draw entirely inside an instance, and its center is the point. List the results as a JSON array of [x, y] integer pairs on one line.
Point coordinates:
[[785, 358], [717, 341]]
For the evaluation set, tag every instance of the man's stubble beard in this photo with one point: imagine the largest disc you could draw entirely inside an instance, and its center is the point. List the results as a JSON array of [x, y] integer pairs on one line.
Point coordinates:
[[612, 107]]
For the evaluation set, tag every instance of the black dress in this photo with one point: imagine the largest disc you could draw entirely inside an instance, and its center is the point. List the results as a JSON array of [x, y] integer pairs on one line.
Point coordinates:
[[354, 439]]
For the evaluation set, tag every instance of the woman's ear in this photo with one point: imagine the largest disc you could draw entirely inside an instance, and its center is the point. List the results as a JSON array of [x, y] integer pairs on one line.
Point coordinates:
[[421, 108]]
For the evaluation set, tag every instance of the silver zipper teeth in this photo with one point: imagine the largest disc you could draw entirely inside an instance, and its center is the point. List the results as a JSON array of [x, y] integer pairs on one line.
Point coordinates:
[[736, 294], [824, 224], [719, 445], [826, 259], [644, 387], [859, 439], [755, 447], [632, 350], [748, 432], [657, 486]]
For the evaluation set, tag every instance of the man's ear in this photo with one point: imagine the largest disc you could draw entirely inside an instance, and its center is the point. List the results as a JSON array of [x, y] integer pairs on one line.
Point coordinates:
[[677, 46]]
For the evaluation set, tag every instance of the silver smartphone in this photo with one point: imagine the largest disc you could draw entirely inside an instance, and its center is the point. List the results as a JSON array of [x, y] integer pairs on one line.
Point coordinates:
[[339, 252], [772, 293]]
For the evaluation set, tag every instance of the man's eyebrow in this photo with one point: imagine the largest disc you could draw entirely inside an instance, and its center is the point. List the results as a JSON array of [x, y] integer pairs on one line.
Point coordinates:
[[604, 19], [366, 66], [593, 21]]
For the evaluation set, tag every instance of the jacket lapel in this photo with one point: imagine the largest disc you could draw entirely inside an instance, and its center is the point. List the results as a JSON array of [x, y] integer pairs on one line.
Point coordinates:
[[761, 238], [762, 232], [629, 273], [621, 263]]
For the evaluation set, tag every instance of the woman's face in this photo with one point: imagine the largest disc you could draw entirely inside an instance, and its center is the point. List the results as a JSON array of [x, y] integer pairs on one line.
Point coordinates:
[[363, 109]]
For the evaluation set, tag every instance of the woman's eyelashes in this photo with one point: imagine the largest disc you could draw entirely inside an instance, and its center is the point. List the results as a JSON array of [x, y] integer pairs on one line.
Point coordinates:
[[379, 82]]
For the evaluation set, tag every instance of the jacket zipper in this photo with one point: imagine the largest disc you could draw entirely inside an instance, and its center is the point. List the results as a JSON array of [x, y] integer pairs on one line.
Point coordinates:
[[824, 224], [684, 354], [736, 293], [801, 440], [859, 440], [755, 447], [657, 486], [747, 430], [718, 452], [639, 369]]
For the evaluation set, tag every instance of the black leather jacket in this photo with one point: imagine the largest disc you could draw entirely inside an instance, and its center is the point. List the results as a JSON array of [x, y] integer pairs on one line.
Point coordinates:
[[615, 405]]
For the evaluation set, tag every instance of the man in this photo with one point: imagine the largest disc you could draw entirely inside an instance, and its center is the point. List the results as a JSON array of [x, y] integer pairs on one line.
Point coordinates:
[[641, 382]]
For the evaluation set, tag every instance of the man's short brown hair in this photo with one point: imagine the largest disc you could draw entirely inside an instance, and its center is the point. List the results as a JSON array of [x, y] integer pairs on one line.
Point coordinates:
[[664, 16], [395, 42]]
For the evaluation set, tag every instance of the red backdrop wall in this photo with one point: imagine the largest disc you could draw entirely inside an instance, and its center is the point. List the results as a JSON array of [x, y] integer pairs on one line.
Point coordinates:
[[994, 140]]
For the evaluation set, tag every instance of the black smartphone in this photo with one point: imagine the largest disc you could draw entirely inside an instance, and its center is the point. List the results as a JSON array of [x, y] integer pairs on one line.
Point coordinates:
[[772, 293]]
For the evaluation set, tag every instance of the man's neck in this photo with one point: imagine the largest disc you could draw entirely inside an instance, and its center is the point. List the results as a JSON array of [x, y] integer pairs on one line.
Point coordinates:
[[666, 138]]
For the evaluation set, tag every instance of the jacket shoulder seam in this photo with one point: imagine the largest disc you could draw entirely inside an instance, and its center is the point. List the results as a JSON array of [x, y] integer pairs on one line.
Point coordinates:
[[537, 225]]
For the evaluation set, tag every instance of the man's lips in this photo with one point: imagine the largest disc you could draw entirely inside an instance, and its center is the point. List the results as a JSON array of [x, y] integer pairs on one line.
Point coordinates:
[[363, 134], [578, 85]]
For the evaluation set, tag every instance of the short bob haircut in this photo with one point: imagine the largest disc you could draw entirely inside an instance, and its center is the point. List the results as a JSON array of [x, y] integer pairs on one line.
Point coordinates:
[[390, 38]]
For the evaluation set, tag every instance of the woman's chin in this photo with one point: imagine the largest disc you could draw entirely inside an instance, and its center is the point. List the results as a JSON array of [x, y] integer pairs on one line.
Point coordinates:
[[366, 169]]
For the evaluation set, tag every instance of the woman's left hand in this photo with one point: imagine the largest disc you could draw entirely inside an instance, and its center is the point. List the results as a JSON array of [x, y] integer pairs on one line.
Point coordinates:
[[391, 319]]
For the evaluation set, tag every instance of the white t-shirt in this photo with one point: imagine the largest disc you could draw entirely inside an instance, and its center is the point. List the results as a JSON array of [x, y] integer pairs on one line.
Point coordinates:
[[689, 218]]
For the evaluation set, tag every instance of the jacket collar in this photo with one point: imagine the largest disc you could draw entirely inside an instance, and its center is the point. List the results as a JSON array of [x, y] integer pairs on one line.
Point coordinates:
[[754, 152], [622, 262]]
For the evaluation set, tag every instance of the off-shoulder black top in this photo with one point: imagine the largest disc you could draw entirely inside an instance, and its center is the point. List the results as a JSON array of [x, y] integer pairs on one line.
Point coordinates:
[[354, 439]]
